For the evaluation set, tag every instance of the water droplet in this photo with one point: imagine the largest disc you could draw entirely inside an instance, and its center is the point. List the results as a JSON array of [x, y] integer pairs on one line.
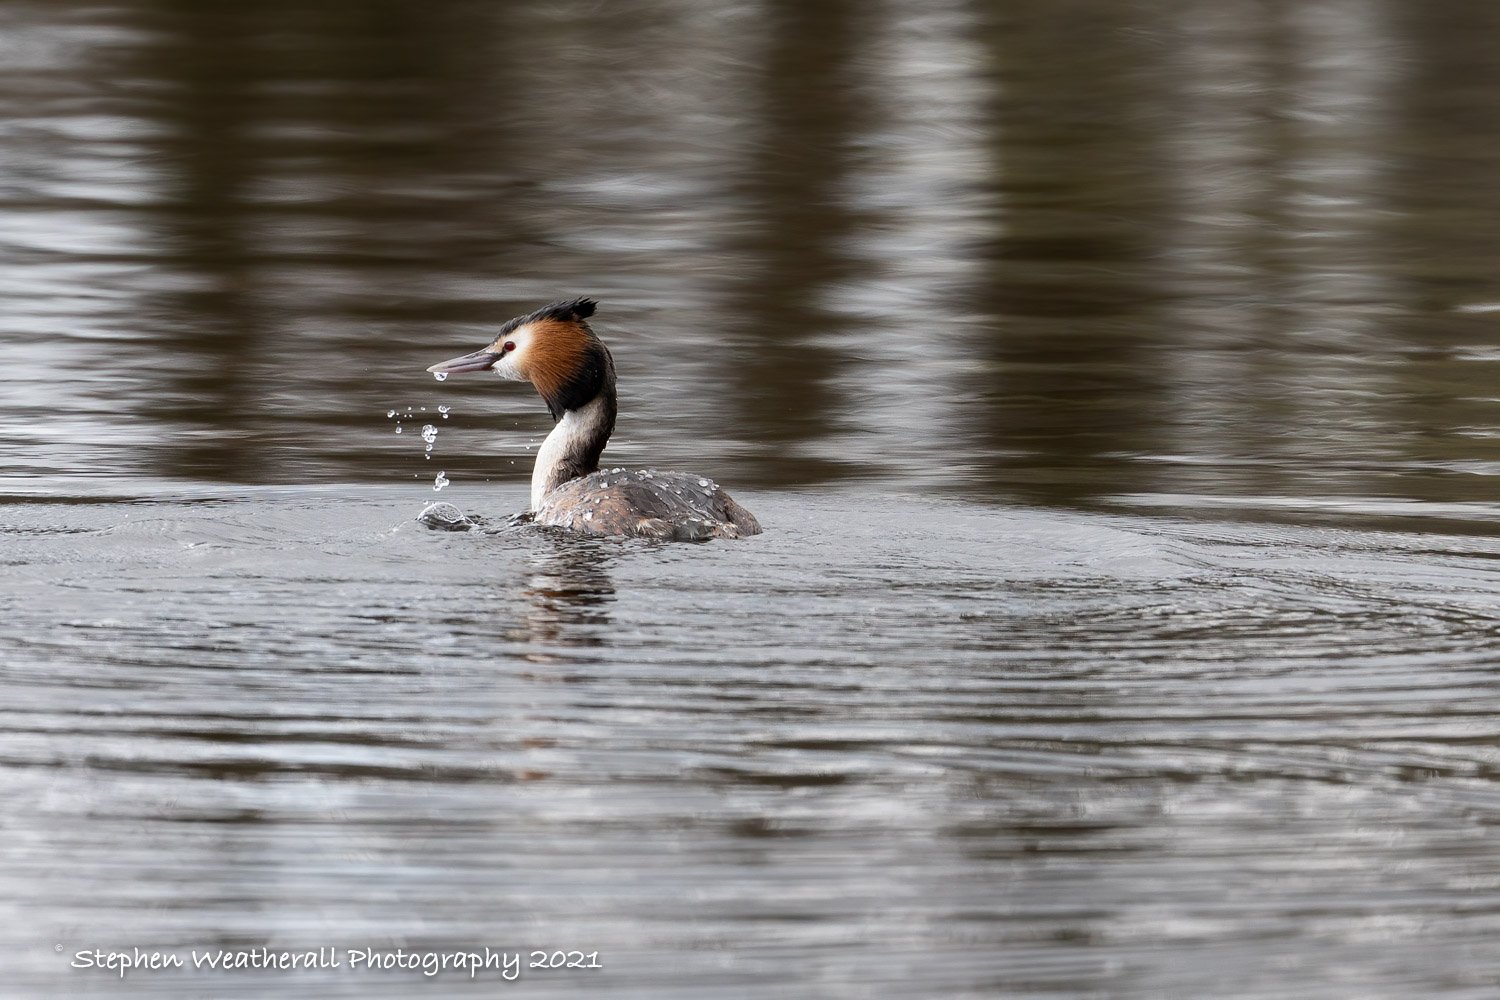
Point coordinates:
[[703, 482], [398, 428], [429, 433], [440, 481], [440, 376], [389, 414], [429, 446]]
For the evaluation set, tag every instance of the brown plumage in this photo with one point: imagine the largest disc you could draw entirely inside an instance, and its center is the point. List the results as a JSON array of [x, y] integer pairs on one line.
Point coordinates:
[[560, 351]]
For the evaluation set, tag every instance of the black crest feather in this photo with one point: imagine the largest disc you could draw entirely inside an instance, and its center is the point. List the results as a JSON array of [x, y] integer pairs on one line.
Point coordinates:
[[568, 310], [579, 308]]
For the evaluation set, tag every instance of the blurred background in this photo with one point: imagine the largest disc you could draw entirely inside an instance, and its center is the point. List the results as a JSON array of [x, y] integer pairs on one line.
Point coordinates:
[[1065, 251], [1118, 383]]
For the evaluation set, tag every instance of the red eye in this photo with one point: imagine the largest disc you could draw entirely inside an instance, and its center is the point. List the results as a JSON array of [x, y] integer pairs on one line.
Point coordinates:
[[509, 346]]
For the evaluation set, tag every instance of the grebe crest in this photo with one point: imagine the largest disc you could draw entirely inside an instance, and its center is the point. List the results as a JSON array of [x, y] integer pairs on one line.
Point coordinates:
[[556, 351]]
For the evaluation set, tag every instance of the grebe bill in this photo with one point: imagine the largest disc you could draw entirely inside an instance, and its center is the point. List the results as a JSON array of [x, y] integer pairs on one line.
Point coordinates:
[[557, 352]]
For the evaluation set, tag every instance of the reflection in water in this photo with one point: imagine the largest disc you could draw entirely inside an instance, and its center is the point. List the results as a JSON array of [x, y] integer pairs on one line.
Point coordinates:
[[308, 142], [1439, 223], [565, 602], [1072, 253], [1076, 385], [1296, 338], [211, 321], [799, 234]]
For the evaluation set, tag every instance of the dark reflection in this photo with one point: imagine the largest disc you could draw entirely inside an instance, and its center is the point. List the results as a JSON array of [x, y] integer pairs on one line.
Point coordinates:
[[212, 326], [1077, 380], [1446, 124], [363, 143], [796, 189], [566, 596], [1201, 250]]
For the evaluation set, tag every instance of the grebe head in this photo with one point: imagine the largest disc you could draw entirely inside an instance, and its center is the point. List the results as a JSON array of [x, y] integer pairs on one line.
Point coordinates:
[[553, 348]]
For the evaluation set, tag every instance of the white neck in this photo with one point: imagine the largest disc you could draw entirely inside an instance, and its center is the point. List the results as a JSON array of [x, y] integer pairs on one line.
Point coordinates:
[[563, 456]]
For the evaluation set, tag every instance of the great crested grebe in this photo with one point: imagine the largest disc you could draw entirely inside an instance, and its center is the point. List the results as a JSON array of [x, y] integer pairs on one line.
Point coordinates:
[[555, 350]]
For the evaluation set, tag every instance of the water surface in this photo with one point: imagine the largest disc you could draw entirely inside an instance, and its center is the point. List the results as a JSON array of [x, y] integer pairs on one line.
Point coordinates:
[[1117, 386]]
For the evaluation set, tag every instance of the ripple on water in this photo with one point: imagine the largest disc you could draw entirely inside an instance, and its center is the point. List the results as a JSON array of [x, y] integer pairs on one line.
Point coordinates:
[[1077, 739]]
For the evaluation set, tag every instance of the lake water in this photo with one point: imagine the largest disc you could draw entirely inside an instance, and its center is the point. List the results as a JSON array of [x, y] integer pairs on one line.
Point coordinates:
[[1117, 386]]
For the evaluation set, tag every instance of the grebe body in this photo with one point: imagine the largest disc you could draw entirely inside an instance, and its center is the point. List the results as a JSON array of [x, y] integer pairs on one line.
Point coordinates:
[[557, 352], [647, 504]]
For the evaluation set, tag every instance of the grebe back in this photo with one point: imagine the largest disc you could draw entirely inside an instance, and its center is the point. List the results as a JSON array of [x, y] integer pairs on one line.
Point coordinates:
[[557, 352]]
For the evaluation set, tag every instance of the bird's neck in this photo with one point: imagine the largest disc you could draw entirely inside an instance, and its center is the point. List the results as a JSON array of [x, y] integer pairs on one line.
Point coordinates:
[[574, 446]]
